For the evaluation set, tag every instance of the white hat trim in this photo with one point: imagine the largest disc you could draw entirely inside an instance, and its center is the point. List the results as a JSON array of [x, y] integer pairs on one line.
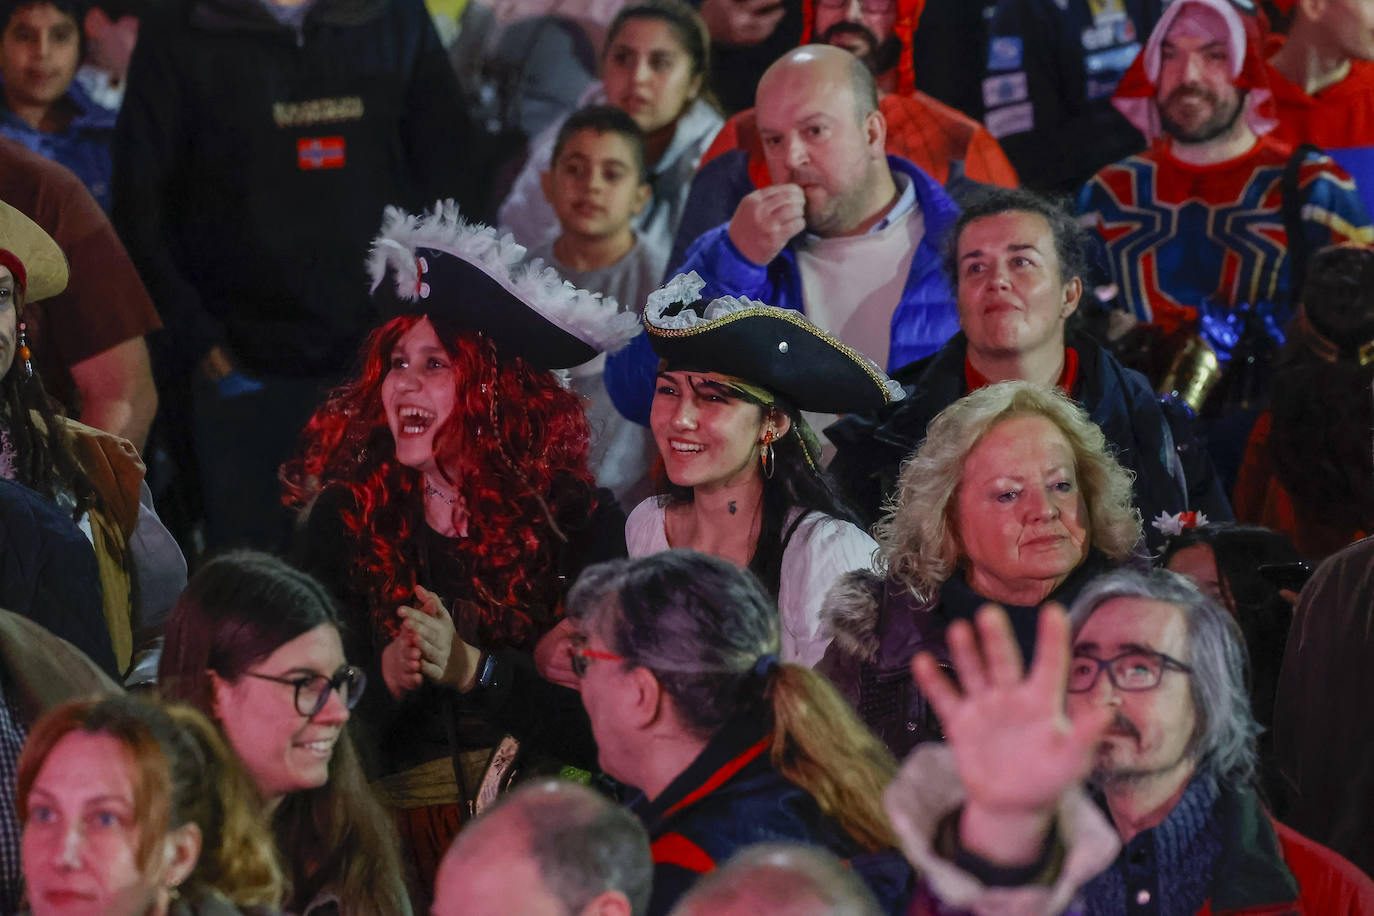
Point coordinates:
[[590, 317]]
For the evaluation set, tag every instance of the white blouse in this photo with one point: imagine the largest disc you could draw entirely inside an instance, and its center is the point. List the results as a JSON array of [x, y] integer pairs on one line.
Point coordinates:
[[820, 551]]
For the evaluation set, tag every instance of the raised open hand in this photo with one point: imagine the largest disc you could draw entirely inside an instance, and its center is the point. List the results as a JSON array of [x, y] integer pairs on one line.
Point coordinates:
[[1016, 748]]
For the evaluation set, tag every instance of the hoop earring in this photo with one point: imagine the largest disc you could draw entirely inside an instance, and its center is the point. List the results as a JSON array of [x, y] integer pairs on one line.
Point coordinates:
[[25, 353], [766, 454]]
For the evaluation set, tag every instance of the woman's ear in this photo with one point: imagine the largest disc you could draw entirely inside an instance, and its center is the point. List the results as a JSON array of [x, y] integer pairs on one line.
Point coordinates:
[[218, 687], [181, 851], [778, 421]]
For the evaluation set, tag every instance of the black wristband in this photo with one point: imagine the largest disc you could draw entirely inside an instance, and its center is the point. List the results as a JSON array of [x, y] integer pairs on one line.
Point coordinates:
[[1043, 870], [487, 670]]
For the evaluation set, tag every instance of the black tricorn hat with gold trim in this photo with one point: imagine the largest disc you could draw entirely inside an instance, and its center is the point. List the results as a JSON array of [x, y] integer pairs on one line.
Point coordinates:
[[464, 276], [773, 348]]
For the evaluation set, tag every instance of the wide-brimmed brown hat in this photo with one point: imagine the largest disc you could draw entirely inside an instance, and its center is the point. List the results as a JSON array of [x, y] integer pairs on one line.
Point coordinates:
[[38, 265]]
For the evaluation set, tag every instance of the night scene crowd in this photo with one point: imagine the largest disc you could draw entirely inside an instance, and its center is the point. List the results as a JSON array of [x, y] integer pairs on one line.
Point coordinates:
[[605, 458]]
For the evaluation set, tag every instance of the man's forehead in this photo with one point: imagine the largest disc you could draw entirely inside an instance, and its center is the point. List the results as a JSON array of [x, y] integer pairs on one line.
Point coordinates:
[[1199, 21], [798, 93], [1126, 622]]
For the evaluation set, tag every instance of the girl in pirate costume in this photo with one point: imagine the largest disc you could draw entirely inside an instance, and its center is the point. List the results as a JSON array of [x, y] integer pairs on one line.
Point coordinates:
[[742, 465], [449, 505]]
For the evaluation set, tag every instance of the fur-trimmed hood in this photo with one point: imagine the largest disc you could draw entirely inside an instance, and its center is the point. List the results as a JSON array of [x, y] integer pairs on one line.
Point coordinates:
[[876, 620]]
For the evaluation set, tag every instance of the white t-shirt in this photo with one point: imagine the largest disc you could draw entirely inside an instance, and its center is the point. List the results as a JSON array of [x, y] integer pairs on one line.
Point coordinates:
[[821, 550]]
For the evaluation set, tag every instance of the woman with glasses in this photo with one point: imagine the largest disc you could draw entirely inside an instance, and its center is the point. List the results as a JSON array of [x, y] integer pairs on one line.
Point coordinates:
[[725, 745], [255, 645], [1012, 498]]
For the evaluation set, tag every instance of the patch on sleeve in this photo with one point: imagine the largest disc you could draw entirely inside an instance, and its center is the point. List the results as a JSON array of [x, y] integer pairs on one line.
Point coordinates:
[[1005, 52], [319, 153], [1014, 119], [1005, 89]]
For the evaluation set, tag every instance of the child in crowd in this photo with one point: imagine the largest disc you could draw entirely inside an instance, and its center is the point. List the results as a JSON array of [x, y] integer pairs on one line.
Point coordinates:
[[597, 184], [42, 107]]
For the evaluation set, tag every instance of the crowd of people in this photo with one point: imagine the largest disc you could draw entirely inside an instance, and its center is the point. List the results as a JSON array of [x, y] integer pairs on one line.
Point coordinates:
[[639, 458]]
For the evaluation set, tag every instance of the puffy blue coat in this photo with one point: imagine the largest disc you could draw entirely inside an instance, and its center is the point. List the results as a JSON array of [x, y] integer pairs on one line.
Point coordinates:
[[923, 321]]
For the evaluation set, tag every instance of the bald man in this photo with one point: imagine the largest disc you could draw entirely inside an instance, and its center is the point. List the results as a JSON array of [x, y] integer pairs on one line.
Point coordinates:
[[783, 879], [551, 848], [845, 233]]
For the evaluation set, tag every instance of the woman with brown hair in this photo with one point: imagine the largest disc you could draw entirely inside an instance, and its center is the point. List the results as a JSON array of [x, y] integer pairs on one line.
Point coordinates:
[[134, 809], [255, 644]]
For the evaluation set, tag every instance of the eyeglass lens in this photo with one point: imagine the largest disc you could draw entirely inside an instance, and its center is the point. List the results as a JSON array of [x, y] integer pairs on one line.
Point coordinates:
[[313, 693], [1132, 671]]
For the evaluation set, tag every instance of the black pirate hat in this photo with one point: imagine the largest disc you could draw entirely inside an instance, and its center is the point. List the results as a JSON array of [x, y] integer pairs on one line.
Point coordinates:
[[463, 276], [773, 348]]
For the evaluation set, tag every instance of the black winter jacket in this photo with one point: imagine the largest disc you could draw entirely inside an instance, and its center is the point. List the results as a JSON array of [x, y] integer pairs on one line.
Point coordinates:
[[48, 573], [253, 162], [1153, 438]]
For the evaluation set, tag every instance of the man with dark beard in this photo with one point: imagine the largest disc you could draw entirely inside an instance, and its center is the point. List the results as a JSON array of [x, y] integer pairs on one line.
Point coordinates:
[[1205, 218]]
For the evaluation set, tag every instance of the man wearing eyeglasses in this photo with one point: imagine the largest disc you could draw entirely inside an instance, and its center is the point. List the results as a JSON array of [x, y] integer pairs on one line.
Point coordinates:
[[1149, 697]]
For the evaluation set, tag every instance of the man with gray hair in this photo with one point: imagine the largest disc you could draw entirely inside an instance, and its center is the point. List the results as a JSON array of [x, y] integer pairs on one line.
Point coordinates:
[[551, 848], [1151, 699], [783, 879]]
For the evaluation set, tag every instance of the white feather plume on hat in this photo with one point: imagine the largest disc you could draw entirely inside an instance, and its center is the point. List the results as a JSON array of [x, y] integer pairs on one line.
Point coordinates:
[[592, 318]]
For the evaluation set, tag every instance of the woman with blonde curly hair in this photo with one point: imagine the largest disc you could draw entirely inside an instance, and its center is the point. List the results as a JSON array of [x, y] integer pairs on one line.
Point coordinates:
[[1012, 498]]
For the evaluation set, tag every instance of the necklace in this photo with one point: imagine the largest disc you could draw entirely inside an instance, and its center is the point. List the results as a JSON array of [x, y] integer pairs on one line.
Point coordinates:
[[446, 498]]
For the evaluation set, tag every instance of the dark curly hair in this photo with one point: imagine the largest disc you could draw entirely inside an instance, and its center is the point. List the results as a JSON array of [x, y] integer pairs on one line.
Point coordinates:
[[1071, 241], [515, 446]]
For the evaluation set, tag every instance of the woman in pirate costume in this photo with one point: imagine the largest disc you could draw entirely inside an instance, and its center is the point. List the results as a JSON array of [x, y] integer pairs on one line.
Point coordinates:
[[741, 462], [449, 501]]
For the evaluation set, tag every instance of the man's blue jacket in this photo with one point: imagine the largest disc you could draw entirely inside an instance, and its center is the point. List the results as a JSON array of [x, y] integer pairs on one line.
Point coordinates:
[[924, 319]]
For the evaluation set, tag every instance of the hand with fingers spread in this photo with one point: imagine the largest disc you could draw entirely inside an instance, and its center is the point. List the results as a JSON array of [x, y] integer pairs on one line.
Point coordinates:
[[553, 654], [401, 664], [444, 658], [766, 220], [741, 22], [1017, 750]]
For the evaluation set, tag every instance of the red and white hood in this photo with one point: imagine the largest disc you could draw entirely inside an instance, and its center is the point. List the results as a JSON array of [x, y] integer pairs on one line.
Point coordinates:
[[1135, 96]]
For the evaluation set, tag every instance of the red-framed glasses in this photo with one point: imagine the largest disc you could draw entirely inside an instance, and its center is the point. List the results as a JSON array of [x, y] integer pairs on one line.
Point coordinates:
[[580, 655]]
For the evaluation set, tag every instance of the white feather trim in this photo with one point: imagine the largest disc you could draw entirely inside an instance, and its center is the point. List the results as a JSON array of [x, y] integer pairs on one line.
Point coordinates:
[[590, 317]]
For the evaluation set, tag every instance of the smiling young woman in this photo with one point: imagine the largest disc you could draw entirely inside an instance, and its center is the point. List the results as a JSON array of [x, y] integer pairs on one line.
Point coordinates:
[[255, 645], [741, 463]]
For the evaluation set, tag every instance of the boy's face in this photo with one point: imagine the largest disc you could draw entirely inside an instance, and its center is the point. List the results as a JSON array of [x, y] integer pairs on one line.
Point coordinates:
[[594, 185], [39, 52]]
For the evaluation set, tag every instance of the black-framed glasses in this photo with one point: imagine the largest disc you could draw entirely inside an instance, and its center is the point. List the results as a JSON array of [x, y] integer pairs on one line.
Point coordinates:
[[1130, 671], [312, 690]]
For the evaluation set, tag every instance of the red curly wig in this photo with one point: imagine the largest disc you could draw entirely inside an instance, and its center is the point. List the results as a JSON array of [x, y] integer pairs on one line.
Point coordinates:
[[515, 446]]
